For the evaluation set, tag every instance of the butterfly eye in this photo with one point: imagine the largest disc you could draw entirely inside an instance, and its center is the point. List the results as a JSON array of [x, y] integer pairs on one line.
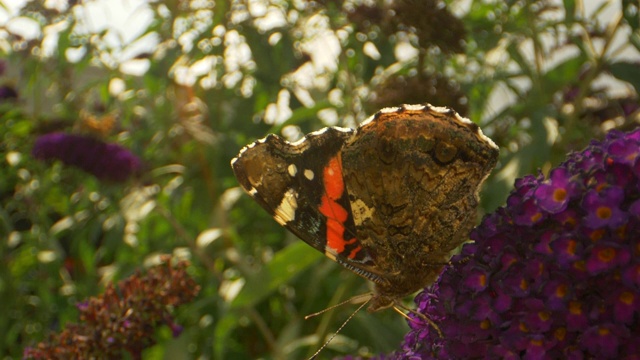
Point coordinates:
[[445, 152]]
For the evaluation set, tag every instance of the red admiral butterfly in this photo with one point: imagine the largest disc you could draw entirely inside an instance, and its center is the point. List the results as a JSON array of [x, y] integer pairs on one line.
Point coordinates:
[[388, 201]]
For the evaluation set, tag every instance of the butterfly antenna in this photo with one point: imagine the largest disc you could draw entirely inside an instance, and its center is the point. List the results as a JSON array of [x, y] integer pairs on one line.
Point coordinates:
[[396, 309], [422, 316], [354, 300], [343, 324]]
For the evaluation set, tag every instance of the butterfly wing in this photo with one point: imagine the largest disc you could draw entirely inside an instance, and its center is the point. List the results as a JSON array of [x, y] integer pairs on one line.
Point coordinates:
[[412, 174], [301, 185]]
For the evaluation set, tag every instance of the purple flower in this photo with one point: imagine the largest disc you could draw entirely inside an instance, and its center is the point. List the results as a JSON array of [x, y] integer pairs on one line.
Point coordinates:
[[603, 341], [554, 274], [109, 162], [623, 151], [176, 329], [83, 305], [553, 195], [603, 208]]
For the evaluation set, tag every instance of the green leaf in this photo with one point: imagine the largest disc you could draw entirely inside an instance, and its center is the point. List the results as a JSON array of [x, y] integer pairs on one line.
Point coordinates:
[[286, 264], [224, 327], [631, 12], [627, 71], [564, 73], [634, 39]]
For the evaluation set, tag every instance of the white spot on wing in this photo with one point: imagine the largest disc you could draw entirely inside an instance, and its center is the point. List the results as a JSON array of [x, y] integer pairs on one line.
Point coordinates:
[[330, 253], [320, 132], [292, 170], [361, 212], [440, 109], [487, 139], [463, 119], [414, 107], [286, 211], [314, 133], [341, 129], [367, 120], [390, 110], [300, 141], [250, 146], [309, 174]]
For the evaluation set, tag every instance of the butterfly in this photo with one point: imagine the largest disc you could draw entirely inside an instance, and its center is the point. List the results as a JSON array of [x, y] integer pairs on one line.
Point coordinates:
[[389, 200]]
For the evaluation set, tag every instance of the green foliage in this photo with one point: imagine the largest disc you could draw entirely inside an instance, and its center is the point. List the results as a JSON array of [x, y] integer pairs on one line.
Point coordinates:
[[535, 75]]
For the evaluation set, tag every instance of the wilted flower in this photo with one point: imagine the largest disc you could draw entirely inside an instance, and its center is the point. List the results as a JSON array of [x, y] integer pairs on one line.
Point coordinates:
[[554, 274], [123, 319], [105, 161]]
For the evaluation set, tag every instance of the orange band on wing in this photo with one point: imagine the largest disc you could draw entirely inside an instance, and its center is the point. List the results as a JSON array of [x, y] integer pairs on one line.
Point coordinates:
[[333, 182], [335, 213], [354, 252], [332, 210], [335, 236]]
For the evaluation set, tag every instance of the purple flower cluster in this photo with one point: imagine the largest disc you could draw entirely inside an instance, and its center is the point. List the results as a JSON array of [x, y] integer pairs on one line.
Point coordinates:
[[554, 274], [109, 162]]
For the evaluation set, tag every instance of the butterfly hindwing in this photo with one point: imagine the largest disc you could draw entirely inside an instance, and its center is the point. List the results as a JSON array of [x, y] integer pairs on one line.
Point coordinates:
[[413, 174]]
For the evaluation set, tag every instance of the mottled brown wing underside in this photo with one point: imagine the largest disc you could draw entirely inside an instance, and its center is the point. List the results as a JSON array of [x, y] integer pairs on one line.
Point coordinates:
[[413, 174]]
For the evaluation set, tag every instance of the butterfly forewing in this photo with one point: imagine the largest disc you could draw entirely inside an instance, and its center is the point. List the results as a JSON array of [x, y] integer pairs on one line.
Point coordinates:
[[300, 184]]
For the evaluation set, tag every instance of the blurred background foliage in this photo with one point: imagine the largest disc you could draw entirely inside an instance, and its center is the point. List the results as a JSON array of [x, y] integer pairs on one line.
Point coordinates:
[[185, 84]]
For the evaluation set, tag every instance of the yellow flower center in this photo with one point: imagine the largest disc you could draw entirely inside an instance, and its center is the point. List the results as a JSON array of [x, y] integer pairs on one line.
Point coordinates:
[[604, 212], [626, 297], [606, 255], [575, 308], [559, 195]]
